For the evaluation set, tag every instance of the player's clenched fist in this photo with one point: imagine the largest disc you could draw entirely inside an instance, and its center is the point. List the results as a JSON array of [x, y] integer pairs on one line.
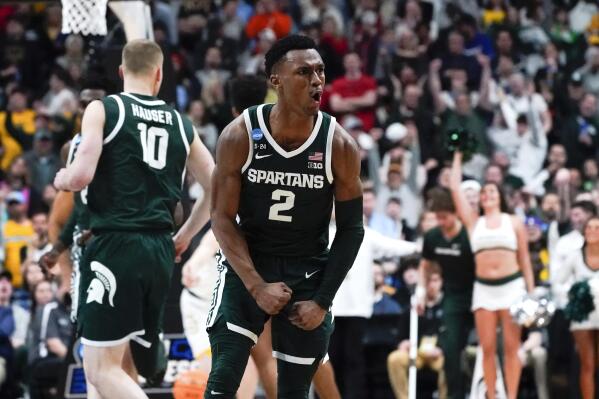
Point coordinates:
[[272, 297], [307, 315]]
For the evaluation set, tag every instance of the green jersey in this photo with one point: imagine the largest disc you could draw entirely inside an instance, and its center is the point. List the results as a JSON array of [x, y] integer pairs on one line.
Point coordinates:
[[456, 260], [286, 196], [140, 173]]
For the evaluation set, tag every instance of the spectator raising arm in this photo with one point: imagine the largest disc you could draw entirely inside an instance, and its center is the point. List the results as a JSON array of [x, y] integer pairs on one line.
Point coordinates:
[[485, 81], [434, 84], [465, 212]]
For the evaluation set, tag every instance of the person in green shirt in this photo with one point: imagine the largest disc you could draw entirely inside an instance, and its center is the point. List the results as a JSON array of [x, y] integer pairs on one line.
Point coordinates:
[[448, 246]]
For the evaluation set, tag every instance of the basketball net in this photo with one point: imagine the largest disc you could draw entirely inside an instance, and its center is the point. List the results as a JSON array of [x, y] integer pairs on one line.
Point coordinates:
[[88, 17]]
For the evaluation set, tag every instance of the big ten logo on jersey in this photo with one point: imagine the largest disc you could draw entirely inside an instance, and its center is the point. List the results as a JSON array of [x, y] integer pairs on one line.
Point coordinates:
[[259, 146], [315, 160]]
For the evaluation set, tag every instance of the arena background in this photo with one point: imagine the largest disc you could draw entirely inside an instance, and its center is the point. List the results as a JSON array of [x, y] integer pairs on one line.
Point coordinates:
[[382, 334]]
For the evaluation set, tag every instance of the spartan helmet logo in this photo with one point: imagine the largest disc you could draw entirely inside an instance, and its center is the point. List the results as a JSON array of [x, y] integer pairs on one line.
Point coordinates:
[[104, 281]]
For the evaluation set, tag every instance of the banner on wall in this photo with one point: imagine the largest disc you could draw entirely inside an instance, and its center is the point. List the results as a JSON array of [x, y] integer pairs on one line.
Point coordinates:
[[180, 360]]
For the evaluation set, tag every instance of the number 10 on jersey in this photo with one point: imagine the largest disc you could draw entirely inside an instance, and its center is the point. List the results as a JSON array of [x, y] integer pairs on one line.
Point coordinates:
[[154, 144]]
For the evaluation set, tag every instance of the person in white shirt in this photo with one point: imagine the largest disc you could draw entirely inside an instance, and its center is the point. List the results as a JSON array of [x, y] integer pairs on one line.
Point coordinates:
[[352, 307], [580, 213], [525, 146], [521, 100], [583, 264]]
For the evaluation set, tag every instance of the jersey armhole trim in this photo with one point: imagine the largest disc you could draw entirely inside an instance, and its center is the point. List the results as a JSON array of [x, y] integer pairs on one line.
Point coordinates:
[[329, 150], [182, 131], [248, 128], [120, 121], [74, 142]]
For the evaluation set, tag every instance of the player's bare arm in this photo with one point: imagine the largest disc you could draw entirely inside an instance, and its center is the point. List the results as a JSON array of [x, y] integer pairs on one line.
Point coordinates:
[[346, 166], [81, 171], [59, 215], [201, 165], [348, 210], [231, 153]]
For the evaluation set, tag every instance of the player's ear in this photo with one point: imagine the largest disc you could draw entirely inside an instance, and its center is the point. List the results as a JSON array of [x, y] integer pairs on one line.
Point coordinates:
[[121, 71], [157, 80], [275, 80], [159, 75]]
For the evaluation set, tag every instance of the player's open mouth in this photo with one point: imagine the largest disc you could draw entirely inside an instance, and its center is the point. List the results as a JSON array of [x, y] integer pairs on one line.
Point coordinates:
[[316, 96]]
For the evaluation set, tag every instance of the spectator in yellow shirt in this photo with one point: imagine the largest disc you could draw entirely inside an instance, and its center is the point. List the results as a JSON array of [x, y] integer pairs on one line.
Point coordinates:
[[17, 126], [17, 233]]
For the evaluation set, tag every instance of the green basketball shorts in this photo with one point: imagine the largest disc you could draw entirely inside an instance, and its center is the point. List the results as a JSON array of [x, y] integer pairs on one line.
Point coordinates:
[[235, 322], [125, 278]]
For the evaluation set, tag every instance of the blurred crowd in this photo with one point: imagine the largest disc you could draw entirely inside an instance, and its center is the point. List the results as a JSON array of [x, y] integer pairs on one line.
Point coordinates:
[[521, 76]]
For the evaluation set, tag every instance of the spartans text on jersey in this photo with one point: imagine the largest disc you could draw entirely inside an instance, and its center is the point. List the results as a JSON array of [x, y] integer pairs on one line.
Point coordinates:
[[303, 180]]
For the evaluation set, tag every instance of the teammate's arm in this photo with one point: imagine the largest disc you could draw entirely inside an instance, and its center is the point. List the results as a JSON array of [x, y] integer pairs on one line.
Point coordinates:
[[62, 206], [59, 217], [231, 153], [81, 171], [201, 165], [350, 231], [60, 244]]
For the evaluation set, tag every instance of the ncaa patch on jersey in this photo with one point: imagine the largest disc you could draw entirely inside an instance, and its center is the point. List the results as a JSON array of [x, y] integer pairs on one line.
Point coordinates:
[[257, 134]]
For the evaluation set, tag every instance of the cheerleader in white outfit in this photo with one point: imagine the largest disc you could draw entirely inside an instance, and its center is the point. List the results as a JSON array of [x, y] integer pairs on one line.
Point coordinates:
[[580, 265], [503, 275]]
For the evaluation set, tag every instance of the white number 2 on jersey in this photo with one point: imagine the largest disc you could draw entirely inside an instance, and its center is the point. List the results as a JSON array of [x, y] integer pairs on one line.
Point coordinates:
[[287, 204], [154, 143]]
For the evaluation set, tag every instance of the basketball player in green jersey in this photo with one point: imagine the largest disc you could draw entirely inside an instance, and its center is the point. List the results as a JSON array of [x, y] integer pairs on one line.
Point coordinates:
[[448, 246], [133, 156], [280, 168]]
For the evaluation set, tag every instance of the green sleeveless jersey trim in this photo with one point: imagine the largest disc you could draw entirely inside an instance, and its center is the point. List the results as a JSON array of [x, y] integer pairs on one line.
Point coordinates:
[[286, 196], [140, 173], [80, 197]]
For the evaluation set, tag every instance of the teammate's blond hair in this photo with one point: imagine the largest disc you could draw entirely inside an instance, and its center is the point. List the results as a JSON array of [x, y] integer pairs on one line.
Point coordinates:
[[141, 56]]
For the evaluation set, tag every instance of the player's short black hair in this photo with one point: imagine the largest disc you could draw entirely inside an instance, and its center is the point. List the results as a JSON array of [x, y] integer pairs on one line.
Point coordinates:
[[282, 46], [246, 91]]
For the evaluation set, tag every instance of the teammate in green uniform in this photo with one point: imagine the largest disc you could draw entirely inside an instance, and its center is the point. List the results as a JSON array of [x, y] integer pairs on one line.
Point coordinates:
[[448, 246], [280, 167], [133, 156]]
